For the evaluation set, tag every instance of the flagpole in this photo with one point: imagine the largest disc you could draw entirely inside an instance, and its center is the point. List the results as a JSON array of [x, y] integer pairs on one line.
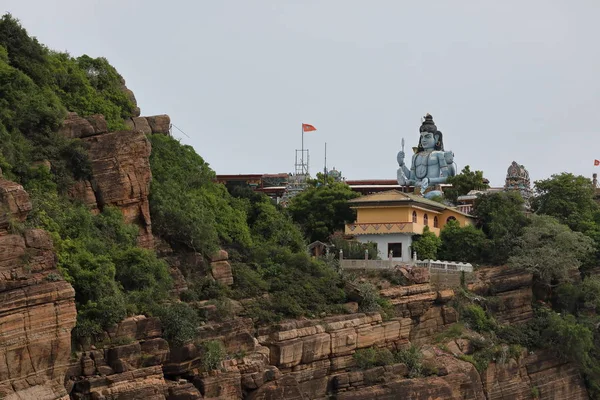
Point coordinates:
[[302, 153]]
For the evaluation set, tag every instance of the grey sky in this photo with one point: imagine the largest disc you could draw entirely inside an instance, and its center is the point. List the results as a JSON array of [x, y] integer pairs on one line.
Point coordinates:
[[504, 80]]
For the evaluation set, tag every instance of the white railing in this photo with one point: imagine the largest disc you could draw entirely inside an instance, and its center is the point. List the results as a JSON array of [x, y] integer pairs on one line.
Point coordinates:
[[370, 264], [445, 265]]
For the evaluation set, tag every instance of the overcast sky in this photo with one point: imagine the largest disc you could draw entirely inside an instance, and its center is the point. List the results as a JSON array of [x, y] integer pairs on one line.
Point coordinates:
[[504, 80]]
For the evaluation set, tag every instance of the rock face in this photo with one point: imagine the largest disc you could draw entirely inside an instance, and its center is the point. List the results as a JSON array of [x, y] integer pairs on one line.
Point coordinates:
[[15, 203], [220, 268], [75, 126], [120, 166], [544, 373], [512, 288], [153, 124], [37, 308], [121, 177], [124, 371]]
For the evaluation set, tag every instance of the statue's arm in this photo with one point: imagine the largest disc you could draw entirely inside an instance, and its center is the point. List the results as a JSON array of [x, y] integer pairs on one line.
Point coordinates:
[[412, 175], [406, 170]]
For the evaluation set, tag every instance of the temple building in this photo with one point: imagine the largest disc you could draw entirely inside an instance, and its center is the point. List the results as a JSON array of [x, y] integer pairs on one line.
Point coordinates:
[[391, 218], [517, 180]]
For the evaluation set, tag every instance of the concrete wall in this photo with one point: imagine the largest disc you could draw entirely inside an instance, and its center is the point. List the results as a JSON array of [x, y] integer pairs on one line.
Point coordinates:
[[382, 244]]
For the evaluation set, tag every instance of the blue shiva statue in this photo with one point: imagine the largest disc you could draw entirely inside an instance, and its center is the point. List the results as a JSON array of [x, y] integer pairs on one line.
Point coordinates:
[[431, 165]]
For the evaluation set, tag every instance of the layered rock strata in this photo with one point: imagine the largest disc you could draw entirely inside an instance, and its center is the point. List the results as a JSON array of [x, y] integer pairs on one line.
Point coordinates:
[[120, 167], [511, 291], [121, 177], [37, 307]]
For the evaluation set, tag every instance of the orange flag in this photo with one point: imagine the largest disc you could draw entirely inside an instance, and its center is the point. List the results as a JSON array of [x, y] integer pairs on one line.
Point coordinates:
[[596, 162], [308, 128]]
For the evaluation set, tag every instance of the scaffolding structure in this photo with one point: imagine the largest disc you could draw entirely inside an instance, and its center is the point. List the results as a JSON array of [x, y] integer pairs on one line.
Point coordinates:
[[298, 181]]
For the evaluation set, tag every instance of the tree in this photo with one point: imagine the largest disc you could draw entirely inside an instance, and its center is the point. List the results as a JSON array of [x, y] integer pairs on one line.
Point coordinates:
[[464, 182], [186, 206], [550, 250], [322, 210], [426, 245], [461, 244], [568, 198], [501, 217]]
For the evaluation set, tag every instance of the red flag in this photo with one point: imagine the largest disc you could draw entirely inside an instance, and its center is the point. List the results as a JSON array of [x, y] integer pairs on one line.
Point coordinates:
[[596, 162], [308, 128]]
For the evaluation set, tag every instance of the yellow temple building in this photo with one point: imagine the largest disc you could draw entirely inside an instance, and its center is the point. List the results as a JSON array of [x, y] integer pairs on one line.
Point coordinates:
[[390, 219]]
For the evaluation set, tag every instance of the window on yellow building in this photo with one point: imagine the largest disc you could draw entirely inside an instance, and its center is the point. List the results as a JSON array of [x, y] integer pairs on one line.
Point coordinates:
[[450, 218], [414, 217], [395, 248], [435, 222], [425, 220]]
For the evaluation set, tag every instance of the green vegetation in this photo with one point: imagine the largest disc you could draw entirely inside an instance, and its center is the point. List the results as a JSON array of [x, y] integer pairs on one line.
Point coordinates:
[[500, 216], [373, 357], [412, 358], [426, 245], [569, 199], [186, 207], [454, 331], [477, 319], [550, 250], [267, 249], [464, 244], [213, 352], [376, 357], [179, 321], [323, 209], [37, 87], [463, 183], [370, 301]]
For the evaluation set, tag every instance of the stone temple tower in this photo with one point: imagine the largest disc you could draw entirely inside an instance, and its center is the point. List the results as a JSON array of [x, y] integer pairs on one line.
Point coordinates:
[[517, 179]]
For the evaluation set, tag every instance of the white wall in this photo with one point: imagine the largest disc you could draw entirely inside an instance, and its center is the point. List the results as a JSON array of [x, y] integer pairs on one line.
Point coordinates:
[[382, 244]]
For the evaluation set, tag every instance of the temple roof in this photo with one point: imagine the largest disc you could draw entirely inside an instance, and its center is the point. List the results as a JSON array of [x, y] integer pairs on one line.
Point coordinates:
[[395, 197]]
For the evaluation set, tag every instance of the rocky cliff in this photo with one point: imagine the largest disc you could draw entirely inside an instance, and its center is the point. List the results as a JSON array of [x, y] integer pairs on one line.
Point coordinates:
[[314, 359], [120, 167], [297, 359], [37, 307]]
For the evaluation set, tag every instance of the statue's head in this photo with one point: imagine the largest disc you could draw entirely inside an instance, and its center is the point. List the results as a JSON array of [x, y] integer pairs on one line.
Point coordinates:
[[430, 137]]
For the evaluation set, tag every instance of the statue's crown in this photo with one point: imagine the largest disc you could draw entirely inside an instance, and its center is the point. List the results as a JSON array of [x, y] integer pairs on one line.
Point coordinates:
[[428, 125]]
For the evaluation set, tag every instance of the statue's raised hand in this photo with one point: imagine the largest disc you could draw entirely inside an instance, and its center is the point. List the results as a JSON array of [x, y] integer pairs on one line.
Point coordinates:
[[400, 158]]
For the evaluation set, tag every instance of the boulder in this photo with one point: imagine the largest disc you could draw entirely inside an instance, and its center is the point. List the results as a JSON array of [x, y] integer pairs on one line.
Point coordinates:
[[160, 123], [183, 391], [98, 123], [221, 272], [75, 126], [14, 203]]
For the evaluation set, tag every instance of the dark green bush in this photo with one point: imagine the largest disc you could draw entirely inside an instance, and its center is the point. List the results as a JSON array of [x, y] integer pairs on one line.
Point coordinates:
[[187, 208], [139, 269], [477, 318], [373, 357], [179, 322], [213, 352], [247, 282], [412, 357]]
